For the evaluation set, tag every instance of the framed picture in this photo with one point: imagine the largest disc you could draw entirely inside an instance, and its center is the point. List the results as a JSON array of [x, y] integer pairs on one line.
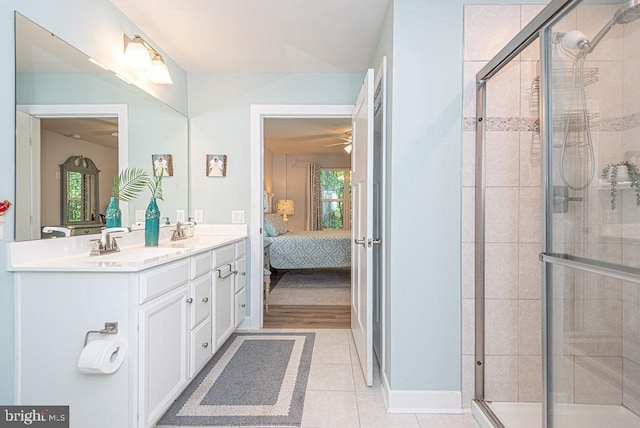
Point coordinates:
[[162, 165], [216, 165]]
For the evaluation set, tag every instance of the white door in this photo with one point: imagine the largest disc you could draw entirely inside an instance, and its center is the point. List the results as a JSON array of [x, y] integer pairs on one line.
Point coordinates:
[[362, 231], [27, 203]]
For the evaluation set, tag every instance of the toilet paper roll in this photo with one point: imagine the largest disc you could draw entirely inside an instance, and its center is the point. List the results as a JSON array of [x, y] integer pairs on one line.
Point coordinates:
[[102, 356]]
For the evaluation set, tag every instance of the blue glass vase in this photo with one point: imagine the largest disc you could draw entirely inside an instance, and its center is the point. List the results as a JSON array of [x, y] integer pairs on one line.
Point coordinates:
[[152, 224], [113, 214]]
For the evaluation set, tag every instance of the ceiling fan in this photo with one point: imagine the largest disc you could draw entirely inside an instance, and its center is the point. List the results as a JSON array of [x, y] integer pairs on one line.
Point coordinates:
[[347, 142], [348, 139]]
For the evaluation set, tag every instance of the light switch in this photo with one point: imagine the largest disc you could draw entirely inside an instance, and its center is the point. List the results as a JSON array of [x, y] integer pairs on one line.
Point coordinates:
[[198, 216], [237, 216]]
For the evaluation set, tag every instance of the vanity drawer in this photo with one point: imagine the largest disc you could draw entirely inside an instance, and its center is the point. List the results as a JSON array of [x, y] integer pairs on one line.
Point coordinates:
[[222, 256], [201, 295], [158, 281], [241, 248], [201, 344], [200, 265]]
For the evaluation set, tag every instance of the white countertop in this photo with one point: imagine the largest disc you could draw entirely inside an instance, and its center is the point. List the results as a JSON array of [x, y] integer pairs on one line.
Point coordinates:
[[72, 254]]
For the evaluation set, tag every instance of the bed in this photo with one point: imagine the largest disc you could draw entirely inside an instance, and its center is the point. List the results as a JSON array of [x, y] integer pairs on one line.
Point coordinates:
[[307, 249]]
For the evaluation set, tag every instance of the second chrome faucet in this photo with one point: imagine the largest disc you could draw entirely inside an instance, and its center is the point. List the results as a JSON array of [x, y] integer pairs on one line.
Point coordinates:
[[107, 243]]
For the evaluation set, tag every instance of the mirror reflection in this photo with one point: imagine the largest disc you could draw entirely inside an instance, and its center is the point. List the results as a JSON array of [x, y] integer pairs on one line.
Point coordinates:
[[67, 106], [79, 193]]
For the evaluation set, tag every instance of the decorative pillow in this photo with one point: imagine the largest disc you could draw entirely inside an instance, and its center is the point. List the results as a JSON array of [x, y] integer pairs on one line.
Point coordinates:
[[274, 225]]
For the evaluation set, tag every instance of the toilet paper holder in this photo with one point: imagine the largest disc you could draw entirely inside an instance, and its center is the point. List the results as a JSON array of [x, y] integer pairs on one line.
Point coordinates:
[[109, 328]]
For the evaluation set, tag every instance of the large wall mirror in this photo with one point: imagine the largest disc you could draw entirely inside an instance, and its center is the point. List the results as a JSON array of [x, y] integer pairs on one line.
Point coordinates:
[[68, 106]]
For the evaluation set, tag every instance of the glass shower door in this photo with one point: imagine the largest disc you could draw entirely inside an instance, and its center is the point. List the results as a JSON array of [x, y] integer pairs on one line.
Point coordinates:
[[592, 242]]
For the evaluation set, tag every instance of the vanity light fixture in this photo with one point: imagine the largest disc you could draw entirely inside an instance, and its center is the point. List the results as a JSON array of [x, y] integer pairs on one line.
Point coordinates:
[[159, 72], [143, 56]]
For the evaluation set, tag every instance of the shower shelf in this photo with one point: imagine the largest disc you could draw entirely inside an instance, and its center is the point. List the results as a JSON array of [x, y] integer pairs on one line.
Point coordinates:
[[563, 81], [620, 185], [563, 77]]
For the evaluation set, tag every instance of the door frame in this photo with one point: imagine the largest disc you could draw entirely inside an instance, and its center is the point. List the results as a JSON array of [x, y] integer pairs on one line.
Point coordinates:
[[63, 111], [259, 112]]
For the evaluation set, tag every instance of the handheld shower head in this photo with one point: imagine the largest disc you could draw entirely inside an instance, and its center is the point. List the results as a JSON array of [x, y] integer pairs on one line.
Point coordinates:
[[627, 13]]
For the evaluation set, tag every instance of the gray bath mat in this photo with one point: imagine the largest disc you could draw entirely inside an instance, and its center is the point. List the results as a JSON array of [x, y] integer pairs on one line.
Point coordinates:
[[254, 379]]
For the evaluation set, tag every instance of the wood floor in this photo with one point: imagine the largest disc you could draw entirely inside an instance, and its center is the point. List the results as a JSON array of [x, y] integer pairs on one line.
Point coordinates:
[[307, 316]]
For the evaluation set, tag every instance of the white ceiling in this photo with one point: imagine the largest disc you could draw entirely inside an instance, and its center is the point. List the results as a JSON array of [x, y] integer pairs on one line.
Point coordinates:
[[262, 36], [268, 36], [97, 130], [317, 136]]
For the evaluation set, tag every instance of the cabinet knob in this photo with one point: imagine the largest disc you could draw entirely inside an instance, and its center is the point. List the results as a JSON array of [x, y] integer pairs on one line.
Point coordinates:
[[243, 273], [244, 305], [205, 344], [189, 299], [205, 299]]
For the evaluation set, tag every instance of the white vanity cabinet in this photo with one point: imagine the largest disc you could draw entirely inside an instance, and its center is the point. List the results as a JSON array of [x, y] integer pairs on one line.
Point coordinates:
[[172, 315]]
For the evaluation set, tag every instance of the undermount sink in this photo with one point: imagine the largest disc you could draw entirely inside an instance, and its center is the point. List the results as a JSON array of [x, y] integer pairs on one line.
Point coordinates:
[[136, 255]]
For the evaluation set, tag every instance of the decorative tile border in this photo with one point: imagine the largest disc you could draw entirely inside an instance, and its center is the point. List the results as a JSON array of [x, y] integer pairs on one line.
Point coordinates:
[[506, 124], [503, 124]]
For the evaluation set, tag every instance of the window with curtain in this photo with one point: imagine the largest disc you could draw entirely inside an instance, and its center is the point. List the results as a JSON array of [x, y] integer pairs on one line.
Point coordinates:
[[336, 198]]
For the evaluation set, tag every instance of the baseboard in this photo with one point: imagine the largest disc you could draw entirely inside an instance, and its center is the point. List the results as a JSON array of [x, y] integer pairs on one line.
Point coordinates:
[[246, 325], [404, 401]]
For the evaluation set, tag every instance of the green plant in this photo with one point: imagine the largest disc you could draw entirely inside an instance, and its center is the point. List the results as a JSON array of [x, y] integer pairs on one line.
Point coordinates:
[[129, 183], [610, 174], [155, 186]]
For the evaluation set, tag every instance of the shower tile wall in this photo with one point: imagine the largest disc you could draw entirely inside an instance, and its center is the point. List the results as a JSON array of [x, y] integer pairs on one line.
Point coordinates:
[[512, 201]]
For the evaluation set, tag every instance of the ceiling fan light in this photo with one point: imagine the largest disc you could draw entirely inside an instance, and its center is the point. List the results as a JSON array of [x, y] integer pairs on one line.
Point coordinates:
[[159, 72], [136, 53], [348, 148]]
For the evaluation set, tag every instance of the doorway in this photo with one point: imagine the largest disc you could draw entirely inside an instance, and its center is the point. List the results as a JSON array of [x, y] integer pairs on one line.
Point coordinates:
[[307, 171], [259, 114], [36, 205]]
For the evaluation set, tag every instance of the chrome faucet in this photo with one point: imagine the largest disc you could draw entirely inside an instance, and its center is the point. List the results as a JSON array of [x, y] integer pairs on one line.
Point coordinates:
[[106, 243], [178, 233], [182, 231]]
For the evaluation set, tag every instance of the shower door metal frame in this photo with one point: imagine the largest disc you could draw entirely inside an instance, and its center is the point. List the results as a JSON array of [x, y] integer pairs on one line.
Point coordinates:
[[523, 39]]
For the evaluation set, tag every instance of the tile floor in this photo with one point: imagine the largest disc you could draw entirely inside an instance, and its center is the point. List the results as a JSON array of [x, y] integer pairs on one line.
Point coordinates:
[[337, 396]]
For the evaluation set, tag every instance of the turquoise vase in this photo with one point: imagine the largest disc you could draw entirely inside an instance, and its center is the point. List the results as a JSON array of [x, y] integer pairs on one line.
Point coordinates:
[[113, 214], [152, 224]]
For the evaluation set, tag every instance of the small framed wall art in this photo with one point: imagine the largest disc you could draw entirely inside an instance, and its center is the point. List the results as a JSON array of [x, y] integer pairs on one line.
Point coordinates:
[[162, 165], [216, 165]]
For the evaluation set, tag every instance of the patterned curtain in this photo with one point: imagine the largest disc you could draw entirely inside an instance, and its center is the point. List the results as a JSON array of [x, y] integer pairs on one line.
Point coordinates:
[[314, 199]]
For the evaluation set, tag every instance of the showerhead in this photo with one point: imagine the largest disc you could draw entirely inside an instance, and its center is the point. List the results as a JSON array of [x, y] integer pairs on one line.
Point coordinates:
[[628, 13]]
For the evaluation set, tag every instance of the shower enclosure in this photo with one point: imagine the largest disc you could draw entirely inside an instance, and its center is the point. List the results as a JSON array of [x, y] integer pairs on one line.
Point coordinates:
[[578, 65]]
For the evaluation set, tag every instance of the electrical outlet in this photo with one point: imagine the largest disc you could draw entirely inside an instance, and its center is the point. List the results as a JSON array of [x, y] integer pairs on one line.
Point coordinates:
[[237, 216], [198, 216], [140, 215], [180, 216]]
